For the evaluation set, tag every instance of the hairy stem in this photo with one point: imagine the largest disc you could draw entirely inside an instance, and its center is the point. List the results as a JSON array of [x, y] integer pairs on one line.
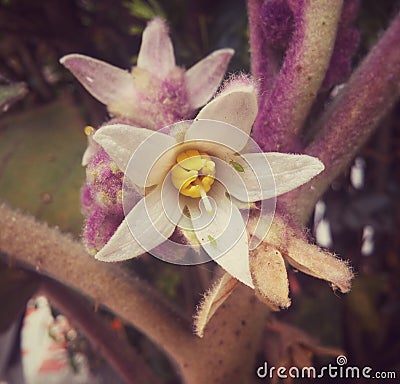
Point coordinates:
[[352, 117], [263, 66], [51, 253], [115, 349], [282, 115]]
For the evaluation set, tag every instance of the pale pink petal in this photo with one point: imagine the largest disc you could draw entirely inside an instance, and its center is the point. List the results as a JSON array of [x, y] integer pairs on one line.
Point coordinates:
[[145, 147], [152, 160], [156, 53], [150, 222], [106, 83], [256, 180], [145, 227], [237, 107], [289, 171], [216, 137], [266, 175], [205, 76], [121, 246], [232, 178], [223, 234]]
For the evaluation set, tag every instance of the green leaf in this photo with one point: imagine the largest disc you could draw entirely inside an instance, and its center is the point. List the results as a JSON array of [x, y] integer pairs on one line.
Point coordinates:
[[40, 163]]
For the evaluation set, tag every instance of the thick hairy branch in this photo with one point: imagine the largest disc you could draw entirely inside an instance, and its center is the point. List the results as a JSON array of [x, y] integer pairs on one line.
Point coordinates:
[[346, 125], [263, 66], [282, 115], [51, 253]]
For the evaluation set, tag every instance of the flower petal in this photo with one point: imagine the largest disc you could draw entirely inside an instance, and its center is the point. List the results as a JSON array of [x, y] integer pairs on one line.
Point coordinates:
[[107, 83], [237, 107], [223, 236], [205, 76], [121, 246], [148, 221], [289, 171], [271, 174], [156, 53], [212, 301], [143, 146], [216, 137], [235, 174], [269, 275]]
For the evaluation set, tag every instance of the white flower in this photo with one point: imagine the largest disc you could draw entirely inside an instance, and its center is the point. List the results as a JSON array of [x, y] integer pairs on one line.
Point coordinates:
[[201, 167]]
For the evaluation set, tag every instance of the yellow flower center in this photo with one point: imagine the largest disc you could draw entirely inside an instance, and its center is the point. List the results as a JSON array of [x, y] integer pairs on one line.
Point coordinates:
[[193, 173]]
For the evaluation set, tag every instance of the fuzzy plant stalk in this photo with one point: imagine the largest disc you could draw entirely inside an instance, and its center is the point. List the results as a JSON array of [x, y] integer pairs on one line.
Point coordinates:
[[349, 121], [288, 97], [232, 316]]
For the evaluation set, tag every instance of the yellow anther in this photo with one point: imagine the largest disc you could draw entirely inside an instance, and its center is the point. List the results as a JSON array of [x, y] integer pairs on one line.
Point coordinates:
[[89, 130], [190, 160], [193, 174]]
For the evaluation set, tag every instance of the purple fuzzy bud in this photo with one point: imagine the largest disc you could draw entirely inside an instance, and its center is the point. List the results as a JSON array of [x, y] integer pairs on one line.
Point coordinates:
[[86, 199], [101, 199], [99, 227], [105, 179]]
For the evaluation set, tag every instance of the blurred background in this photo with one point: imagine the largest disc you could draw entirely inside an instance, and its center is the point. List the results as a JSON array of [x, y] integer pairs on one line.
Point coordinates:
[[42, 141]]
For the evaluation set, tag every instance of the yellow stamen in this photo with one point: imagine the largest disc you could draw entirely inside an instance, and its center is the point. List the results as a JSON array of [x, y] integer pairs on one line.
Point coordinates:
[[194, 174], [89, 130]]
